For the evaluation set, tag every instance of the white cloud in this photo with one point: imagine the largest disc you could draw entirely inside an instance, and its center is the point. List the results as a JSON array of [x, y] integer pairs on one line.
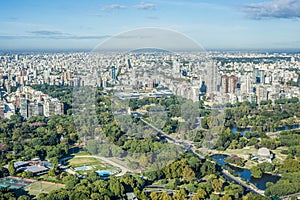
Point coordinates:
[[113, 7], [284, 9], [146, 6]]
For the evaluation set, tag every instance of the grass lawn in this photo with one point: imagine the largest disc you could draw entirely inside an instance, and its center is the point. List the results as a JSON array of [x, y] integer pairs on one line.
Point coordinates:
[[278, 153], [42, 187], [83, 161], [242, 152]]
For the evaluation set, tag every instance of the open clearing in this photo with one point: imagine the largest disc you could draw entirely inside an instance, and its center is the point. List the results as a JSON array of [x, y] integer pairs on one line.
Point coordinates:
[[83, 161], [42, 187]]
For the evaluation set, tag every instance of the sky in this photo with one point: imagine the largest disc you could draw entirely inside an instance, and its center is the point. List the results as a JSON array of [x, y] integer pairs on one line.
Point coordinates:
[[84, 24]]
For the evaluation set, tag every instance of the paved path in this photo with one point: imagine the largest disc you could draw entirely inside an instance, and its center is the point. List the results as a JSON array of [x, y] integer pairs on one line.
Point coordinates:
[[189, 147], [278, 132], [287, 197], [184, 144], [242, 183]]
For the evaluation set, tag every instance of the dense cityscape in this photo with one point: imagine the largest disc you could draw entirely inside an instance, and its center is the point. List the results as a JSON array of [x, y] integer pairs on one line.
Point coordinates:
[[150, 100], [226, 78], [253, 82]]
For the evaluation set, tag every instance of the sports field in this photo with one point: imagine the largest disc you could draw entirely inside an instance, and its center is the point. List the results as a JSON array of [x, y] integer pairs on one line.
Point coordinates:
[[83, 161], [14, 183], [42, 187]]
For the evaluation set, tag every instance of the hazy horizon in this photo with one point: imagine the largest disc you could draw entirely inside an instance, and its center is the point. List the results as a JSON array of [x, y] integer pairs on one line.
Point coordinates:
[[57, 25]]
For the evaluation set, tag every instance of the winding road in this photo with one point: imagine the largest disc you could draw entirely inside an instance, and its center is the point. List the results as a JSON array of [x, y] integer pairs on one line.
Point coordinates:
[[190, 148]]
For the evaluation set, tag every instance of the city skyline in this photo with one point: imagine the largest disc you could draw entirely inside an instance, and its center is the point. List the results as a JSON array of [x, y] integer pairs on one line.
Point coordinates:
[[255, 24]]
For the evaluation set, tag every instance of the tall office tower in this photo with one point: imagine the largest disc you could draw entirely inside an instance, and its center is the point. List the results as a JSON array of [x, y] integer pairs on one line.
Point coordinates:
[[212, 78], [256, 75], [176, 66], [298, 79], [259, 75], [261, 94], [66, 76], [232, 83], [47, 76], [150, 84], [224, 80], [246, 84], [59, 107], [262, 76], [203, 90], [32, 109], [40, 109], [113, 73], [2, 107], [23, 106], [128, 62], [51, 107], [23, 72]]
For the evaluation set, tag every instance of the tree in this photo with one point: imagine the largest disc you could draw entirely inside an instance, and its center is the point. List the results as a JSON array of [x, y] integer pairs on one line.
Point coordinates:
[[143, 160], [92, 146], [291, 165], [180, 195], [251, 196], [154, 196], [256, 172], [42, 196], [188, 173], [266, 167], [201, 194], [165, 196], [96, 196], [51, 172], [226, 197], [11, 168], [234, 190], [24, 197], [116, 187], [70, 181], [208, 168], [217, 185]]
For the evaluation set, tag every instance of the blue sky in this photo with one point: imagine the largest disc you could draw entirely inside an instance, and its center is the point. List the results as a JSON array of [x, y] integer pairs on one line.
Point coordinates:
[[215, 24]]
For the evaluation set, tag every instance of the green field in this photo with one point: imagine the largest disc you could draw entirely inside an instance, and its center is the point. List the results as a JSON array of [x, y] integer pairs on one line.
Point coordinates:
[[83, 161], [42, 187]]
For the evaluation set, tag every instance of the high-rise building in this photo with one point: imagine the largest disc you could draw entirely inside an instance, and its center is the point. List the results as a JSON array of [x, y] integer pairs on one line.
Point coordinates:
[[23, 106], [2, 107], [212, 78], [129, 63], [261, 93], [224, 80], [23, 72], [31, 109], [245, 84], [113, 73], [232, 83], [259, 75], [40, 109], [66, 76], [203, 90]]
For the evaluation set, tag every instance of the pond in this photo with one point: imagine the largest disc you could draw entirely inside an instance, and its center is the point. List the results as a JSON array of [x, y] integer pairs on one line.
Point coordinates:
[[83, 168], [104, 174], [243, 130], [245, 174]]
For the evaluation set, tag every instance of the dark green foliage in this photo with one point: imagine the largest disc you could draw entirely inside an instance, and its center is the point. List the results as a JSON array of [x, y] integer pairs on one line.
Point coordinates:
[[235, 160], [37, 137]]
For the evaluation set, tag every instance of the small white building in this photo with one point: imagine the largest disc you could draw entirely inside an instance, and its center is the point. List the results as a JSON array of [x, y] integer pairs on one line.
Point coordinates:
[[264, 154]]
